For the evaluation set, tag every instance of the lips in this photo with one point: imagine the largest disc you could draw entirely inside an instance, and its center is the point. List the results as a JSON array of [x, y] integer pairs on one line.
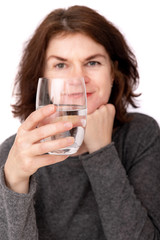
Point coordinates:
[[79, 95], [72, 95], [76, 95], [89, 94]]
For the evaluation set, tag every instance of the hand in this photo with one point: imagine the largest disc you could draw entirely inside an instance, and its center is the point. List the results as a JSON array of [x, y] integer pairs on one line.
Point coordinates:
[[27, 154], [99, 128]]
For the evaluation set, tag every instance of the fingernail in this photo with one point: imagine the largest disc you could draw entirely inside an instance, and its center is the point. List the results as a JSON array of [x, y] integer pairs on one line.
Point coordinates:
[[70, 140]]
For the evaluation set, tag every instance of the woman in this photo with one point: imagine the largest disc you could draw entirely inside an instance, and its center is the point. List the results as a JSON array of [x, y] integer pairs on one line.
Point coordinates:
[[110, 188]]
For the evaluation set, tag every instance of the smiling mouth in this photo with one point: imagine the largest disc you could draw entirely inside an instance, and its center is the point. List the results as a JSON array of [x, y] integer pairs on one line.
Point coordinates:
[[73, 95], [76, 95], [89, 94]]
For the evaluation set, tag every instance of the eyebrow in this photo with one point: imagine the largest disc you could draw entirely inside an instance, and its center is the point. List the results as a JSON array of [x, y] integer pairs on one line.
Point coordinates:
[[65, 59], [96, 56], [56, 57]]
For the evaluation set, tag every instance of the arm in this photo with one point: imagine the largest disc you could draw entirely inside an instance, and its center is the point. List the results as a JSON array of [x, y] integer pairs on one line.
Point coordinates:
[[128, 200], [17, 216], [18, 163], [27, 154]]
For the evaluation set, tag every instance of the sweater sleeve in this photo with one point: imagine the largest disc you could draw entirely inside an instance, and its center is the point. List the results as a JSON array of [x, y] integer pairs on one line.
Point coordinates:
[[17, 215], [128, 201]]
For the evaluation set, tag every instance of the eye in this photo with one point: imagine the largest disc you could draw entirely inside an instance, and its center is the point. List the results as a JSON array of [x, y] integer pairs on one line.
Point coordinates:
[[60, 65], [93, 63]]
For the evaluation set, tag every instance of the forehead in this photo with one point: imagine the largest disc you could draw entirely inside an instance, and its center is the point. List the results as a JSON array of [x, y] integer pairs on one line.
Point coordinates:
[[77, 42]]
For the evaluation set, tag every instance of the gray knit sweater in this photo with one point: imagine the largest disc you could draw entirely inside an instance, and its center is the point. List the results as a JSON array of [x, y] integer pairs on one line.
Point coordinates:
[[111, 194]]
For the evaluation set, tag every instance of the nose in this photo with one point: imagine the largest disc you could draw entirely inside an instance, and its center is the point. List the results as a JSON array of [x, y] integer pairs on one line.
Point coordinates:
[[78, 72], [86, 79]]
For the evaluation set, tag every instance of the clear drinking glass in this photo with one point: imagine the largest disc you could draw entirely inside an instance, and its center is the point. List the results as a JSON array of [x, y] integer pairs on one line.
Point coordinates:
[[69, 97]]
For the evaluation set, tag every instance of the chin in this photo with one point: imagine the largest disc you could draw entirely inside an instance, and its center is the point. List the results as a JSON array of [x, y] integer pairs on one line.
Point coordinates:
[[91, 109]]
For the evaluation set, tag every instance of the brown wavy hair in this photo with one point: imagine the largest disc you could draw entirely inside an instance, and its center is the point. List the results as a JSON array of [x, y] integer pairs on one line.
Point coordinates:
[[84, 20]]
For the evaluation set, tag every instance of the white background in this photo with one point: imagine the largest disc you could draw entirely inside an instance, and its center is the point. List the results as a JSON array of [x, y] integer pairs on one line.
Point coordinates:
[[138, 20]]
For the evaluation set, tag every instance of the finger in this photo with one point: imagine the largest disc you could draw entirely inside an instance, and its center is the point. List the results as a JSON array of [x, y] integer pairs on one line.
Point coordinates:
[[111, 109], [51, 146], [35, 117], [45, 160], [47, 130], [77, 120]]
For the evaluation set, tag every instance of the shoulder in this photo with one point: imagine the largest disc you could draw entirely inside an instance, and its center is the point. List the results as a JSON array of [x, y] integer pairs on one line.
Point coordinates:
[[140, 124], [141, 119], [141, 130], [137, 138], [5, 148]]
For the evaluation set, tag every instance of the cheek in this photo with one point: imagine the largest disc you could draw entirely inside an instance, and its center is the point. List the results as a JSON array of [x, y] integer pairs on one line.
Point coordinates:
[[105, 91], [103, 97], [100, 98], [97, 101]]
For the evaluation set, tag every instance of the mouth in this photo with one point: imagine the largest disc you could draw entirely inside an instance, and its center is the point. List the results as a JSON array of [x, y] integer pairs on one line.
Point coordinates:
[[73, 95], [89, 94], [77, 95]]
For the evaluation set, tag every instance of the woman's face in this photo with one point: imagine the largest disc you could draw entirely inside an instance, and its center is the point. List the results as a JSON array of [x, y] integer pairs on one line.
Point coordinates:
[[79, 55]]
